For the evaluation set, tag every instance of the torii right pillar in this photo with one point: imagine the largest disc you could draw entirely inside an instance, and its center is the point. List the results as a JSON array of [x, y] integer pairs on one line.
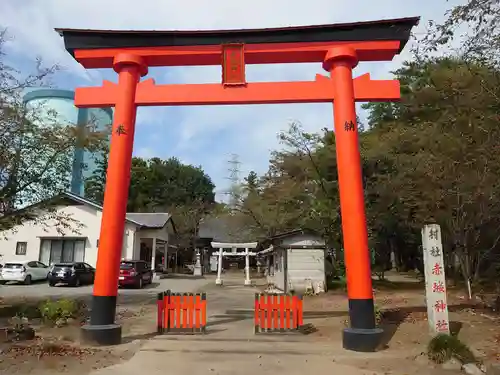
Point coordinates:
[[362, 335]]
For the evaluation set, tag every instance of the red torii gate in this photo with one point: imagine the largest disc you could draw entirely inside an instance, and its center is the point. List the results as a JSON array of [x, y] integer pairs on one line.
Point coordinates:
[[338, 47]]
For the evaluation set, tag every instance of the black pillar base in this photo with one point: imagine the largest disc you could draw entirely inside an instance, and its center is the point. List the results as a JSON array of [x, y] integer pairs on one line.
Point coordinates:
[[362, 340], [109, 334], [102, 329]]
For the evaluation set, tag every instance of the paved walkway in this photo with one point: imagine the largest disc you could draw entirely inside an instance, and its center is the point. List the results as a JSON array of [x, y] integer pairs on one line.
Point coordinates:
[[230, 346]]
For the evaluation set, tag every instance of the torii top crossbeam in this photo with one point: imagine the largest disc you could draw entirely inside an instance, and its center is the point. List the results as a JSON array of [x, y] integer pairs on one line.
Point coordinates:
[[233, 49], [97, 48]]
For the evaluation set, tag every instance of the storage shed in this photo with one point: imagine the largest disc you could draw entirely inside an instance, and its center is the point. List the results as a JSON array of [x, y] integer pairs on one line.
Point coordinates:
[[295, 260]]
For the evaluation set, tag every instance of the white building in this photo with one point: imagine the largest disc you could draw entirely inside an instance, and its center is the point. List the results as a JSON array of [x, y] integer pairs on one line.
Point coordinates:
[[295, 261], [67, 229]]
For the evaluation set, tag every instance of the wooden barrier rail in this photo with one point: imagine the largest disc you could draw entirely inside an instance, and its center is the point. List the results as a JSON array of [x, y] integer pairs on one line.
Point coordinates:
[[181, 312], [278, 313]]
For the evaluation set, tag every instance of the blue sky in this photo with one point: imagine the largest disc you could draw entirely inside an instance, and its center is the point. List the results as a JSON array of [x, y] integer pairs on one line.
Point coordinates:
[[205, 136]]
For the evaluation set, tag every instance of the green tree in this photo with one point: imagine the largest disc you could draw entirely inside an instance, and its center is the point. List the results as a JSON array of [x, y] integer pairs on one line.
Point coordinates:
[[441, 157], [481, 41], [252, 182], [94, 185], [298, 191], [157, 185], [433, 157], [36, 147]]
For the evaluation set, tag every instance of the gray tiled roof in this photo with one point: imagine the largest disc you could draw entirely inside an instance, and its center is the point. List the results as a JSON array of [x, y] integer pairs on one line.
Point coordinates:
[[222, 229], [149, 220], [213, 227]]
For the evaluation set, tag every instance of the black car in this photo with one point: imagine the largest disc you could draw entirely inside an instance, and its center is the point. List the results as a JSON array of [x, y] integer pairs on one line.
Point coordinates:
[[74, 274]]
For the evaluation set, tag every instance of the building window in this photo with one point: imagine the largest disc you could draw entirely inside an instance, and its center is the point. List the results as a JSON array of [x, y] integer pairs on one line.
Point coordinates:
[[21, 248], [62, 251]]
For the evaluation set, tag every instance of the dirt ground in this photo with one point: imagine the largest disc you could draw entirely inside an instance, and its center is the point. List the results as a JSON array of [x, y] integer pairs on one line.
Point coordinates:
[[57, 350], [404, 320]]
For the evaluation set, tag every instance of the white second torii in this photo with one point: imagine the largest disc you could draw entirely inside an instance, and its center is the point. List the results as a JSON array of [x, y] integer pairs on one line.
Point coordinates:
[[223, 245]]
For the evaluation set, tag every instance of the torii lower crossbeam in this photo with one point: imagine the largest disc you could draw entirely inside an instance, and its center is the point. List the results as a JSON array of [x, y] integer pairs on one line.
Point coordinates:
[[322, 90]]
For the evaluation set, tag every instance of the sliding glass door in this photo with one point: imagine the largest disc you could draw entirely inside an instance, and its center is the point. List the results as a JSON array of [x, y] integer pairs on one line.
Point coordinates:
[[45, 252], [62, 251]]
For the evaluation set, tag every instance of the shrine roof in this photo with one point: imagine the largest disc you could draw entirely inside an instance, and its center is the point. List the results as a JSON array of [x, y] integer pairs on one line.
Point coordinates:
[[380, 30]]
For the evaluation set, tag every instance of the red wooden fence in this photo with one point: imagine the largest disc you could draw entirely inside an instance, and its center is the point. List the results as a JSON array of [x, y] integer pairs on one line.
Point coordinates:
[[181, 312], [278, 313]]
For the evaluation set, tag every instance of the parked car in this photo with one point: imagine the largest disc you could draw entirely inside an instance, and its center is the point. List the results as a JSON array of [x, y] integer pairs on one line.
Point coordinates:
[[135, 273], [24, 271], [73, 274]]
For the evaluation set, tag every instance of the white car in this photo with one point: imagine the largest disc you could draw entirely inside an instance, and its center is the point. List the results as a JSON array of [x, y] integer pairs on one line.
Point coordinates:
[[24, 271]]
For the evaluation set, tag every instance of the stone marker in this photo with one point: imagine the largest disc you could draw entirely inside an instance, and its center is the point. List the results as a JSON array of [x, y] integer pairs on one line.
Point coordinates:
[[435, 282]]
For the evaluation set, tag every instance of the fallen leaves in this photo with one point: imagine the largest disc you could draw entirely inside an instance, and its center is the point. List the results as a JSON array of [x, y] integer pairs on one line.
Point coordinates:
[[41, 348]]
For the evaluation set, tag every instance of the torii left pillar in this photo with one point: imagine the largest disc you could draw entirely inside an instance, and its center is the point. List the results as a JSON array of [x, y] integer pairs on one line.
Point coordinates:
[[103, 329]]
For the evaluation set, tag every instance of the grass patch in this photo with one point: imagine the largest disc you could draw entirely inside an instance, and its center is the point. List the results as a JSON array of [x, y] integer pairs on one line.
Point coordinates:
[[59, 312], [52, 311], [443, 347]]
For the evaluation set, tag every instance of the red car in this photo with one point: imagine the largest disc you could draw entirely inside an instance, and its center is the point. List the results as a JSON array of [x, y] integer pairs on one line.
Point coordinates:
[[136, 273]]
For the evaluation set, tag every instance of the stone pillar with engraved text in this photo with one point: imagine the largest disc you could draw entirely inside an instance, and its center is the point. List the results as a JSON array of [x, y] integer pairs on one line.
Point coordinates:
[[435, 281]]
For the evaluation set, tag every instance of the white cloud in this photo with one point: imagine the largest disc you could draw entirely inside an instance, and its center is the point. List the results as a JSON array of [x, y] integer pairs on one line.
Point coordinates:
[[145, 152], [32, 22]]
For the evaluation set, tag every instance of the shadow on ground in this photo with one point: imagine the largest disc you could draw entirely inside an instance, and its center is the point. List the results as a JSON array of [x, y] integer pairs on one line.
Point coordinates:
[[34, 282], [171, 336], [399, 285], [249, 314], [393, 318], [225, 319], [180, 276], [153, 285]]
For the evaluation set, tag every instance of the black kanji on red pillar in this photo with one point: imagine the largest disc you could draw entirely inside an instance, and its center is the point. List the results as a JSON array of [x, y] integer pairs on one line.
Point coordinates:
[[120, 129], [349, 126]]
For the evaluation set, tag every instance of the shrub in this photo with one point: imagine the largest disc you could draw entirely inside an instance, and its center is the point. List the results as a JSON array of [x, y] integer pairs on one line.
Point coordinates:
[[30, 311], [336, 283], [19, 322], [378, 315], [58, 312], [443, 347], [339, 270]]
